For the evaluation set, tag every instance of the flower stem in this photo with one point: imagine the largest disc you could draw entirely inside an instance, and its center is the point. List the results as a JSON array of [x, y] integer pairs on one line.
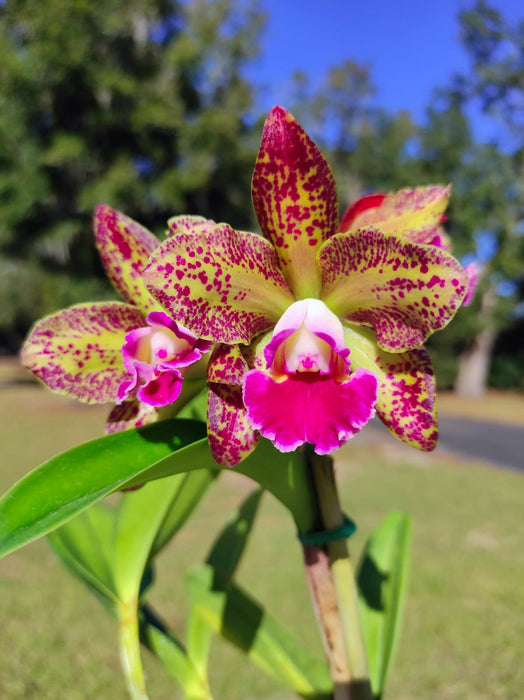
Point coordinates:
[[324, 599], [130, 651], [342, 584]]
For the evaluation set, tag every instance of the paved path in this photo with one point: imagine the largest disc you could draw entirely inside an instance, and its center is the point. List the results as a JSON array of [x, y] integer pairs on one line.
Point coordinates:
[[491, 442], [494, 443]]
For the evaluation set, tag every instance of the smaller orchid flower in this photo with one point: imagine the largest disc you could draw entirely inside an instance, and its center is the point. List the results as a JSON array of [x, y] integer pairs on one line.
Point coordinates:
[[290, 310], [154, 356], [130, 353]]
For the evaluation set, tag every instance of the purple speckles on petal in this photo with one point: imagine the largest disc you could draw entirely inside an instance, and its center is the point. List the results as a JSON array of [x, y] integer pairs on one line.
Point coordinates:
[[243, 291], [125, 247], [231, 437], [391, 302], [77, 351]]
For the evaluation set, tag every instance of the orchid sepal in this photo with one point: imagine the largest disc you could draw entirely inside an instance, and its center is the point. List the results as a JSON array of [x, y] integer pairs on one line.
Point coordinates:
[[130, 414], [411, 213], [227, 365], [230, 433], [187, 223], [295, 199], [406, 396]]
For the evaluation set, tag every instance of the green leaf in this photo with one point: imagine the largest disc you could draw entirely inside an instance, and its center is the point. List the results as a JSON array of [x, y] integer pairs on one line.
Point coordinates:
[[227, 550], [191, 492], [86, 546], [157, 638], [69, 483], [224, 557], [109, 549], [232, 613], [147, 519], [382, 579]]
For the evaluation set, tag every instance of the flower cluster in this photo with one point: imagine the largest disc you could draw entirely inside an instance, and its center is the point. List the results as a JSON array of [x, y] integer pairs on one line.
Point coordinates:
[[302, 333]]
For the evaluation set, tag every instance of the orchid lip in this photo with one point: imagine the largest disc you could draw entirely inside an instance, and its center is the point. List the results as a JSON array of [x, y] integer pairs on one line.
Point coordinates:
[[307, 393]]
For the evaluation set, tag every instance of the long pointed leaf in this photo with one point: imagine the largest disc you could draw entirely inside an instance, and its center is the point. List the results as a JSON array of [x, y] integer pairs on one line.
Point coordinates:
[[191, 492], [224, 557], [229, 611], [159, 640], [146, 521], [69, 483], [86, 546], [382, 579]]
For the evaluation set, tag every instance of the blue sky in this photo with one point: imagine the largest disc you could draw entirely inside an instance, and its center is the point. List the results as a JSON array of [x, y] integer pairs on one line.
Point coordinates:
[[412, 47]]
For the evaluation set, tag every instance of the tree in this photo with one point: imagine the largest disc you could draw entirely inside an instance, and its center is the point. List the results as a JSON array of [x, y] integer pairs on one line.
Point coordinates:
[[494, 179], [140, 104]]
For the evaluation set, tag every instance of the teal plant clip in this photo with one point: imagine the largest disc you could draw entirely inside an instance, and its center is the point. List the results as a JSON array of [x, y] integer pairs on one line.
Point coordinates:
[[346, 528]]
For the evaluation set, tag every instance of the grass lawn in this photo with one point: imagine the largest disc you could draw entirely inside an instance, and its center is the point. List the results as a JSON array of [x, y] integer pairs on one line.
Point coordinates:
[[464, 625]]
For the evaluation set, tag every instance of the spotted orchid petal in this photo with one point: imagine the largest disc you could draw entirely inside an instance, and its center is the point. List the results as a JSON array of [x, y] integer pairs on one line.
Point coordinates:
[[78, 351], [189, 224], [125, 247], [295, 199], [441, 239], [231, 437], [130, 414], [227, 365], [404, 291], [406, 396], [304, 408], [413, 214], [224, 285]]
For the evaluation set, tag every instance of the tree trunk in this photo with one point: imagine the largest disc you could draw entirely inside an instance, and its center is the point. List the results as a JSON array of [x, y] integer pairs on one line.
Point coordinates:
[[474, 363]]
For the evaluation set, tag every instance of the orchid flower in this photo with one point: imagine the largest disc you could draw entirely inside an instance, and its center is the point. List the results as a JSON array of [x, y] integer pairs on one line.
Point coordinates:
[[415, 214], [130, 353], [314, 327]]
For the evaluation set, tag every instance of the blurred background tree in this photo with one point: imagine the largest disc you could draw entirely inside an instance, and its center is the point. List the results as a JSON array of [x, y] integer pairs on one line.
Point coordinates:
[[144, 105], [495, 200], [140, 104]]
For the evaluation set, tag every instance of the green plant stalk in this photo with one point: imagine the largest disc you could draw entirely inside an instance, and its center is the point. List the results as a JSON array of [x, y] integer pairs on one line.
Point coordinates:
[[128, 630], [341, 569]]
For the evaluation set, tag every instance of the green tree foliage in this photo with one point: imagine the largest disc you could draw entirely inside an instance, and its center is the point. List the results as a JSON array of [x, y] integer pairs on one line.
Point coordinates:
[[140, 104], [496, 50]]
